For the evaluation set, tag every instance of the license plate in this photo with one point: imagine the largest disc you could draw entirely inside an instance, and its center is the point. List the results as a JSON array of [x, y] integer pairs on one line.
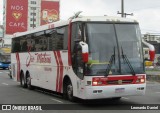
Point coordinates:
[[119, 90]]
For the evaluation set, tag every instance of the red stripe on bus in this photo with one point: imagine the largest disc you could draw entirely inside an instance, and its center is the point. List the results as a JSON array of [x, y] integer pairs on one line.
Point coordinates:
[[61, 72], [55, 54], [18, 66]]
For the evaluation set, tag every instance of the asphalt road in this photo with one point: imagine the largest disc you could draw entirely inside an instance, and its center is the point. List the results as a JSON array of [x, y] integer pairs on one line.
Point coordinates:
[[12, 93]]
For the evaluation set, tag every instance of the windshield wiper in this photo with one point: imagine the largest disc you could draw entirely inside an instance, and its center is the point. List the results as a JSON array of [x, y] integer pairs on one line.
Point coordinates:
[[128, 62], [111, 61]]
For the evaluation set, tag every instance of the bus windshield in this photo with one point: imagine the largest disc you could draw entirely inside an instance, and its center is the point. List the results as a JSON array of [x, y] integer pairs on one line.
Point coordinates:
[[115, 48]]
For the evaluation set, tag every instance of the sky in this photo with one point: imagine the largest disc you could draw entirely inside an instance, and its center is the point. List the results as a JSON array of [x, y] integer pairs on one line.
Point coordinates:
[[146, 12]]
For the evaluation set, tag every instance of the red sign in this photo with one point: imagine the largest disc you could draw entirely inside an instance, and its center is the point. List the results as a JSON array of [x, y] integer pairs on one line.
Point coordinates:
[[16, 16], [49, 11]]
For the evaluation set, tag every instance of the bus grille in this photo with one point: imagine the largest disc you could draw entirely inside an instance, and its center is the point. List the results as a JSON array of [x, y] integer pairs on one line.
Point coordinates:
[[115, 82]]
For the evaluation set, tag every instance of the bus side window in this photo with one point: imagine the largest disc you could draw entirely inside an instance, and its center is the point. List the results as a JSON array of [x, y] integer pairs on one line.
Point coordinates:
[[56, 39], [65, 40], [16, 46], [52, 41], [60, 37], [24, 46]]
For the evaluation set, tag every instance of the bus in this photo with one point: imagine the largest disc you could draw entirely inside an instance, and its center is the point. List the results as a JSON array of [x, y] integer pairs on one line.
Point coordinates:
[[84, 57], [5, 57]]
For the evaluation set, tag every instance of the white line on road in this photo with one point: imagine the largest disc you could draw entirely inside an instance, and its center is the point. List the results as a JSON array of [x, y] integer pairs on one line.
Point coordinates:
[[157, 92], [125, 98], [5, 84], [57, 100]]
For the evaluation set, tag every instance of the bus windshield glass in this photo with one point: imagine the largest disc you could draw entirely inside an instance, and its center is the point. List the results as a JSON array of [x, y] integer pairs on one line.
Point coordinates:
[[114, 49]]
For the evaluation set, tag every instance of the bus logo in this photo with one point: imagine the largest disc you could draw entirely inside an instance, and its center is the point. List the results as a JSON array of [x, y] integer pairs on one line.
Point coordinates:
[[119, 81]]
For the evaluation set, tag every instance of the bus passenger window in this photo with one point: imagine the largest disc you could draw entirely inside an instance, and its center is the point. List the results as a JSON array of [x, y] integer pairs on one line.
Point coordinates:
[[24, 46], [17, 46]]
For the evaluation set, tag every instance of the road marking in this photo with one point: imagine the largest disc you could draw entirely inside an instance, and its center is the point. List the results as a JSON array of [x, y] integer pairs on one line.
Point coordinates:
[[157, 92], [125, 98], [5, 84], [57, 100]]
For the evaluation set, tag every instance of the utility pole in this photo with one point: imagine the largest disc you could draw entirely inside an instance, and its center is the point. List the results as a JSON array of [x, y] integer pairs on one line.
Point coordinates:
[[122, 10]]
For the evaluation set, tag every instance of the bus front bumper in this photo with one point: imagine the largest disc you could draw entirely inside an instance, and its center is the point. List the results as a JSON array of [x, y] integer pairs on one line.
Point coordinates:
[[100, 92]]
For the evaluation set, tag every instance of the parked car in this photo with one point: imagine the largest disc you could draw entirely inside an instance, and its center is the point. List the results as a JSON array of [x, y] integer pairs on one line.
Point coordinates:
[[4, 65], [5, 60]]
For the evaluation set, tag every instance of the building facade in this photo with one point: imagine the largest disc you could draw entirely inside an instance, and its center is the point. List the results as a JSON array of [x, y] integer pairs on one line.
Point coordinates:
[[23, 15]]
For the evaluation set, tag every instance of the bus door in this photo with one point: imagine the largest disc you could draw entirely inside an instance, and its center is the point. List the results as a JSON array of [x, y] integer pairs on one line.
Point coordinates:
[[76, 51]]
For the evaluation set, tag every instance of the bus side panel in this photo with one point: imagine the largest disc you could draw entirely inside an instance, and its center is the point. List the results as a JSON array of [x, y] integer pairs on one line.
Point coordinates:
[[60, 69], [46, 75]]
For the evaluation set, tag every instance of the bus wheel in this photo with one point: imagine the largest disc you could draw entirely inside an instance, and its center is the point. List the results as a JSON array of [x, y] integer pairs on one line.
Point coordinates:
[[22, 81], [70, 91], [28, 82]]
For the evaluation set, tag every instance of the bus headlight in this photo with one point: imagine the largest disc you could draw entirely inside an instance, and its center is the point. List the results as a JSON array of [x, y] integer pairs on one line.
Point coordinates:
[[142, 80], [95, 83]]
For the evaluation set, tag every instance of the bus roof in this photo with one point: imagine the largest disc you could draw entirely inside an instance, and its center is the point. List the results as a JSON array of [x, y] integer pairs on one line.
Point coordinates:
[[83, 19], [103, 19]]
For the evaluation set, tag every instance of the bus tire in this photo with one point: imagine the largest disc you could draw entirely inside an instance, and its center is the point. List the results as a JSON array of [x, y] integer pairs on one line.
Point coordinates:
[[69, 91], [22, 80], [28, 81]]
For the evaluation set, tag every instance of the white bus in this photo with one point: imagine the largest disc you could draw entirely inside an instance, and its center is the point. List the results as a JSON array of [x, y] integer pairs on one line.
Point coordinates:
[[86, 57]]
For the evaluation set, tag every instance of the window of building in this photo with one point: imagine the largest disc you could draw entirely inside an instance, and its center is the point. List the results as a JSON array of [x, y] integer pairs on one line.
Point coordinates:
[[33, 14], [31, 19], [33, 2], [33, 8], [32, 25]]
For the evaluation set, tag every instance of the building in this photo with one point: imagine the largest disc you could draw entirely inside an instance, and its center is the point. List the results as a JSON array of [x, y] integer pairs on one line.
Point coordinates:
[[23, 15]]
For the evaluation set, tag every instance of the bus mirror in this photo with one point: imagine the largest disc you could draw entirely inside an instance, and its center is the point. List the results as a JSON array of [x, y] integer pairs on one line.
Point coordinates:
[[84, 47], [152, 55], [151, 50]]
